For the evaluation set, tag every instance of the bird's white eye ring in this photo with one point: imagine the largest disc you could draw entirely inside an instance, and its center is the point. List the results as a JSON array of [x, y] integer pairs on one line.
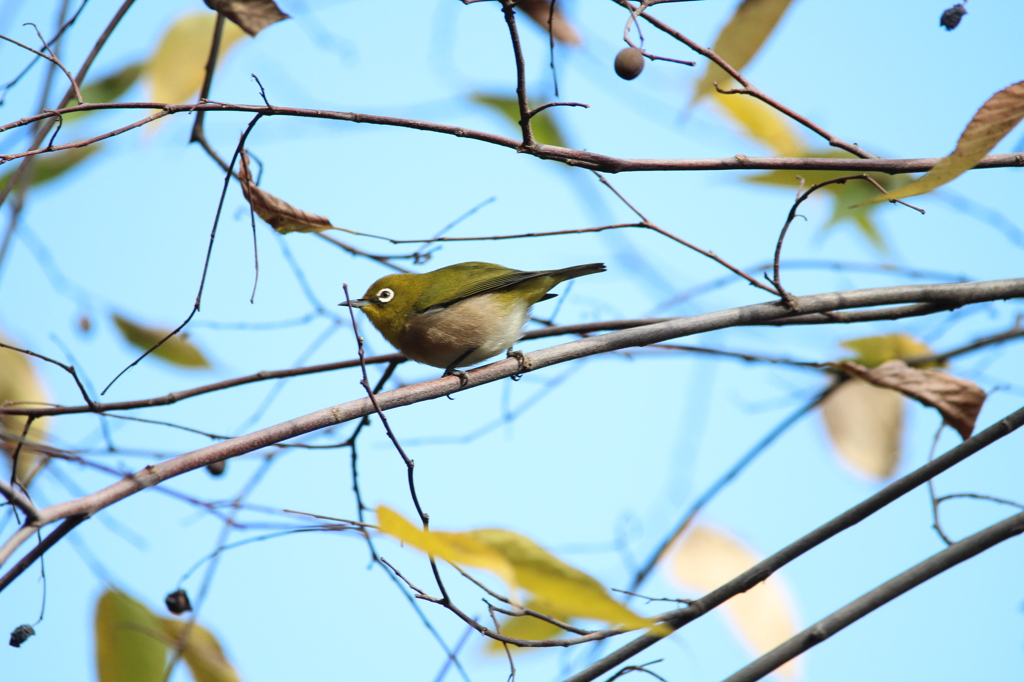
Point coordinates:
[[385, 295]]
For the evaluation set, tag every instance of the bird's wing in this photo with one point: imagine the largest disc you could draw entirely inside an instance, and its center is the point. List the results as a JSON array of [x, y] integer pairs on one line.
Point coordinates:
[[476, 279]]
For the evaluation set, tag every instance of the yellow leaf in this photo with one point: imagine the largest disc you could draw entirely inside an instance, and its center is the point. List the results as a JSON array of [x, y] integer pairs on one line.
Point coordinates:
[[251, 15], [554, 584], [763, 123], [865, 425], [20, 384], [457, 548], [279, 214], [129, 647], [519, 562], [527, 627], [203, 653], [178, 67], [872, 351], [994, 120], [740, 40], [540, 12], [763, 615], [176, 350]]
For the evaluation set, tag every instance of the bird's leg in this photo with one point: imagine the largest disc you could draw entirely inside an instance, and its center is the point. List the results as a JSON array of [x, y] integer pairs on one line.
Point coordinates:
[[451, 371], [524, 364]]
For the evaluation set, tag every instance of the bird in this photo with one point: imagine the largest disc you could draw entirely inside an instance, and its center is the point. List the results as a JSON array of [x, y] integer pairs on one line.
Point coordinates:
[[460, 315]]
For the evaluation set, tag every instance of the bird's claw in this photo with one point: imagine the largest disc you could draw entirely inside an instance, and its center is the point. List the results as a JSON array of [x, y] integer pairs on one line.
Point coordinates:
[[463, 377], [524, 363]]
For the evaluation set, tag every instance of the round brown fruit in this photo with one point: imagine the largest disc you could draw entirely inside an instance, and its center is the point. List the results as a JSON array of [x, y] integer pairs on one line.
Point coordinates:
[[629, 62]]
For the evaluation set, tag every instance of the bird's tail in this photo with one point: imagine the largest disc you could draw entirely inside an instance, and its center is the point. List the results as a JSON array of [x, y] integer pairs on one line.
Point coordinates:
[[577, 271]]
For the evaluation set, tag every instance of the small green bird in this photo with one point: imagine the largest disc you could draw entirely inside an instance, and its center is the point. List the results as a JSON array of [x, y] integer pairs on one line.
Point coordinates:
[[462, 314]]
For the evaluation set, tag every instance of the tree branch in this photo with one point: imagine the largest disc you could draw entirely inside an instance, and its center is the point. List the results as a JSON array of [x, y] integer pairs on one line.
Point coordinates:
[[949, 295], [570, 157], [850, 517], [884, 593]]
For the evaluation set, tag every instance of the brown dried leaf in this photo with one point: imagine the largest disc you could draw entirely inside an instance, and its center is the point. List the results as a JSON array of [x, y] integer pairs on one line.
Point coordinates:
[[958, 400], [540, 12], [281, 215], [865, 425], [994, 120], [251, 15]]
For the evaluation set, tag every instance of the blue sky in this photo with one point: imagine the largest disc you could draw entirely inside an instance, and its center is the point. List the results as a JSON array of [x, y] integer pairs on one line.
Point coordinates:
[[608, 452]]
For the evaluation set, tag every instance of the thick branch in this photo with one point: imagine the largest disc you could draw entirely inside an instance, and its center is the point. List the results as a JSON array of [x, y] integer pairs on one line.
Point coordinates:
[[929, 568], [949, 295], [850, 517]]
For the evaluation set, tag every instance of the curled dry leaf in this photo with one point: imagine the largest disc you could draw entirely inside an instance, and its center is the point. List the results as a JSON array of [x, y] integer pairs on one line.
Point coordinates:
[[994, 120], [958, 400], [740, 40], [865, 425], [251, 15], [279, 214], [763, 615], [560, 28]]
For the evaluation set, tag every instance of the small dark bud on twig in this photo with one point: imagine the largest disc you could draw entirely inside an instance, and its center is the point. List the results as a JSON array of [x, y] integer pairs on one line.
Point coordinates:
[[177, 602], [951, 17], [216, 468], [20, 634]]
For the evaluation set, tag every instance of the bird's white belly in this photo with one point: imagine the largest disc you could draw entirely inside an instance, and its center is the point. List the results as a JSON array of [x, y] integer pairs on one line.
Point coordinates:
[[483, 326]]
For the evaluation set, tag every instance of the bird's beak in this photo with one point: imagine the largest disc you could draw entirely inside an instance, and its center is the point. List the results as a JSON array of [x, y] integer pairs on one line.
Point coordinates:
[[355, 303]]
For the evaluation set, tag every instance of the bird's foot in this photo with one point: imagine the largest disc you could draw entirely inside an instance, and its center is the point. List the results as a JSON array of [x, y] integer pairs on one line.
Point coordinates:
[[524, 363], [463, 377]]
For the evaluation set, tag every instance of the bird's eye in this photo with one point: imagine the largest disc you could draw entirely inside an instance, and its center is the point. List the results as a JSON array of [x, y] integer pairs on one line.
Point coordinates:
[[385, 295]]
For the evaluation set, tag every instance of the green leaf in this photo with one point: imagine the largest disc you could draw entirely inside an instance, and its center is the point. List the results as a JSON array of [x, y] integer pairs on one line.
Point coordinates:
[[113, 86], [994, 120], [847, 199], [545, 130], [176, 350], [129, 644], [873, 351], [741, 39], [52, 165]]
